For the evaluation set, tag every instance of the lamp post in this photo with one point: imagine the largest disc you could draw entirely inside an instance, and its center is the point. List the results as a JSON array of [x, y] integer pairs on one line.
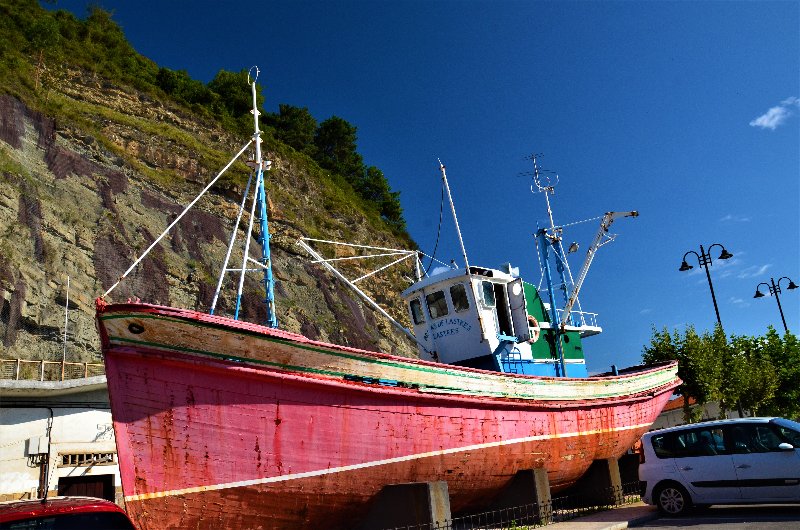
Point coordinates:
[[704, 260], [775, 288]]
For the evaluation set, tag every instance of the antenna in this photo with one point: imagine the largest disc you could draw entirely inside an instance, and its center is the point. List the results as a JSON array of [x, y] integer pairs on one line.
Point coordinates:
[[455, 218], [550, 238], [545, 182]]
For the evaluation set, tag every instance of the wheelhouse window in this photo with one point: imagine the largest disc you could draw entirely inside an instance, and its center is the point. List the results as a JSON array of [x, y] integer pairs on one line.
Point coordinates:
[[488, 294], [437, 304], [458, 294], [416, 311]]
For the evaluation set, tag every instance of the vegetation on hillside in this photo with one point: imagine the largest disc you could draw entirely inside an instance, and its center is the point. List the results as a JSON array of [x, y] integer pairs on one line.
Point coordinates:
[[34, 42], [755, 374]]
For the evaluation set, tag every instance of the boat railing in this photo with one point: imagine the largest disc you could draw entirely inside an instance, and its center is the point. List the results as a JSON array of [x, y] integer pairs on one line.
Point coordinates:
[[28, 370], [583, 319]]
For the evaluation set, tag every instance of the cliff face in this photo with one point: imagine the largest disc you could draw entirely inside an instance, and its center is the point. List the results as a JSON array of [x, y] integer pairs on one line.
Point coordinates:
[[82, 195]]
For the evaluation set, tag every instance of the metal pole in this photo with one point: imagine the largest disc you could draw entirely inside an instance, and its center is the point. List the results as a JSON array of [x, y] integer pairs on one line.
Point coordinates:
[[230, 245], [66, 322], [246, 252], [704, 263], [261, 196], [776, 290], [455, 219], [555, 324]]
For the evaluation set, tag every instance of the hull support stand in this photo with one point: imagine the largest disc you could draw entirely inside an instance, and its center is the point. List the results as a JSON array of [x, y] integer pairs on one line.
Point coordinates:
[[529, 486], [410, 504], [600, 485]]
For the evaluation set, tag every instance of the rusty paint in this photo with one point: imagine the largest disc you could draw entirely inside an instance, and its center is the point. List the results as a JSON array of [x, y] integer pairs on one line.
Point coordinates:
[[333, 443]]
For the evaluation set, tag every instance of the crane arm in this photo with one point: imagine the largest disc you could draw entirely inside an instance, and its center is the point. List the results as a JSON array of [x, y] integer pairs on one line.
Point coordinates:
[[599, 240]]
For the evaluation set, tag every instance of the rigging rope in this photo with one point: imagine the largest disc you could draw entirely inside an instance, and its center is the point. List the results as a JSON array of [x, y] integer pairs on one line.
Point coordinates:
[[579, 222], [438, 232]]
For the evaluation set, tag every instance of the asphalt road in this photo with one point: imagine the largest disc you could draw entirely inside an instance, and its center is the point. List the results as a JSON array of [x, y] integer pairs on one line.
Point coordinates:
[[766, 517]]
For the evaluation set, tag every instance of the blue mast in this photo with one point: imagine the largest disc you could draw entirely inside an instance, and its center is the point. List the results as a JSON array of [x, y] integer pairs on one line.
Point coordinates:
[[551, 237], [544, 243], [259, 208], [261, 199]]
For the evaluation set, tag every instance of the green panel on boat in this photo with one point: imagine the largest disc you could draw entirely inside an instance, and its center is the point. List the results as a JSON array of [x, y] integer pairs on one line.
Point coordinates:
[[573, 347], [533, 303]]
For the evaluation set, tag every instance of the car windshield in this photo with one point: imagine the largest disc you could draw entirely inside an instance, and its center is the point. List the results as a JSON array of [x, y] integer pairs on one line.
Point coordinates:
[[789, 429], [75, 521]]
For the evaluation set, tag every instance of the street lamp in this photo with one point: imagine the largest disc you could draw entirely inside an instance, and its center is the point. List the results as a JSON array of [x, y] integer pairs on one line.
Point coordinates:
[[704, 260], [775, 288]]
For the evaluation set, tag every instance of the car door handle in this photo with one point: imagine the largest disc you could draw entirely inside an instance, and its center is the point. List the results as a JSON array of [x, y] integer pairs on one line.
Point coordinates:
[[687, 468], [743, 466]]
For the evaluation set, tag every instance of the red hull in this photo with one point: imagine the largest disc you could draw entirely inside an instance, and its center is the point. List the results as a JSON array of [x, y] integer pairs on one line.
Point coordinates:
[[225, 426], [211, 443]]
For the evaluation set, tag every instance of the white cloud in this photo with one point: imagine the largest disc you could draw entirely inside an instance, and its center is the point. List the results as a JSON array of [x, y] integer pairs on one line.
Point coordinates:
[[645, 311], [754, 271], [739, 302], [730, 218], [776, 116]]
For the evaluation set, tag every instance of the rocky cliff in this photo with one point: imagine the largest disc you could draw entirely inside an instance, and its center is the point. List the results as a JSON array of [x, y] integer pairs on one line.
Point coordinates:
[[87, 188]]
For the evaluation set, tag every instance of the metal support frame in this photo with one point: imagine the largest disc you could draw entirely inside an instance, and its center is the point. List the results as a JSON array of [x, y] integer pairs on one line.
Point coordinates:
[[602, 238], [326, 263]]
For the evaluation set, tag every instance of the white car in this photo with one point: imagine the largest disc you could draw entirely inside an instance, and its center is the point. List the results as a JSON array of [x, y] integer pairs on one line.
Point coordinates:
[[739, 461]]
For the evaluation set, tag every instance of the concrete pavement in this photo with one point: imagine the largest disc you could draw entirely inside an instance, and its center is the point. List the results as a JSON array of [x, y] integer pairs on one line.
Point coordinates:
[[617, 518]]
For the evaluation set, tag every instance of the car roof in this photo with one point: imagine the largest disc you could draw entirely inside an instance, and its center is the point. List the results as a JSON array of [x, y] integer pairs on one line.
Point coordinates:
[[16, 510], [712, 423]]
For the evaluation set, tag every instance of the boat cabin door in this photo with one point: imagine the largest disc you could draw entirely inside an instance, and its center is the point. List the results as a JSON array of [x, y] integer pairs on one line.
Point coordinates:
[[518, 309]]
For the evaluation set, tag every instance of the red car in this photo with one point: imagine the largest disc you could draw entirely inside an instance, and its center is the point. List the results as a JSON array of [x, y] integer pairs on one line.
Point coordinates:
[[63, 513]]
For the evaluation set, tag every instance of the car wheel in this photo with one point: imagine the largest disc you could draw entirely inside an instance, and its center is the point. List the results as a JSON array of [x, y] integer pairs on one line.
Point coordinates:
[[672, 499]]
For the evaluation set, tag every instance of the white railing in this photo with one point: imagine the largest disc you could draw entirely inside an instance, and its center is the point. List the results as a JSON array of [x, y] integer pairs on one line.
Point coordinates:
[[581, 319]]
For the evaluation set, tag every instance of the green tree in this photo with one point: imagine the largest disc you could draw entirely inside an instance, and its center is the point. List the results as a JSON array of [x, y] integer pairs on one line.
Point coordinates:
[[179, 85], [784, 356], [703, 357], [374, 187], [735, 376], [43, 36], [753, 374], [664, 347], [235, 99], [699, 365], [392, 212], [335, 142], [106, 44], [750, 379], [294, 126]]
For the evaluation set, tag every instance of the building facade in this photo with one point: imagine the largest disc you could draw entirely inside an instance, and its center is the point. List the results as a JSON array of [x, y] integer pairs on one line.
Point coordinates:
[[57, 436]]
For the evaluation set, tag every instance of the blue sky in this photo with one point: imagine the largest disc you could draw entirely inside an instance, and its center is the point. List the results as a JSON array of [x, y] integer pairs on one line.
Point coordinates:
[[685, 111]]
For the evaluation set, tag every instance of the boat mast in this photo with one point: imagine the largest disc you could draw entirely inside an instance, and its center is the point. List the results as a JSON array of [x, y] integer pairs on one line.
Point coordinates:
[[455, 218], [551, 237], [259, 207]]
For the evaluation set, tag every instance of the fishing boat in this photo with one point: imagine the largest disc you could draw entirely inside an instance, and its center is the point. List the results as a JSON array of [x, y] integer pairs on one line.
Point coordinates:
[[222, 423]]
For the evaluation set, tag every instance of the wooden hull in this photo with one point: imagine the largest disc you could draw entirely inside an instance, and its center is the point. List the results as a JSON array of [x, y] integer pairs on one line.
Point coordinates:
[[223, 424]]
